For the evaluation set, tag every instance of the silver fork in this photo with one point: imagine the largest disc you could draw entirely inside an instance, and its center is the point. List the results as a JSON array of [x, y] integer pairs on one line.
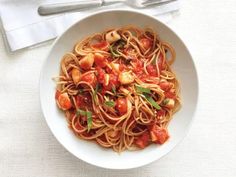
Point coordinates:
[[48, 9]]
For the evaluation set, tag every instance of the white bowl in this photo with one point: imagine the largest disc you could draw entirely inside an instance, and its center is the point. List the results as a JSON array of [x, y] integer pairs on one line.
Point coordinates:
[[88, 151]]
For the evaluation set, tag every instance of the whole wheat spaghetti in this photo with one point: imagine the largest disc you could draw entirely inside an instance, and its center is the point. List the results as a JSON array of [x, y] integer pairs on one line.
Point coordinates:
[[117, 88]]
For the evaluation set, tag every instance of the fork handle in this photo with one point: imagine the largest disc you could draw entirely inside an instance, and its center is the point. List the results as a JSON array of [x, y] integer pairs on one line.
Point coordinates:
[[48, 9]]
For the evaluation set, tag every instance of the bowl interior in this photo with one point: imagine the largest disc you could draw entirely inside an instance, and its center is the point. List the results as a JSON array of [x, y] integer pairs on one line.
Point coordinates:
[[89, 151]]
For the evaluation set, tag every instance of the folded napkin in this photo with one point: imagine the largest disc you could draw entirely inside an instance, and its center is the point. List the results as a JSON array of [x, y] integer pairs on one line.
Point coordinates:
[[22, 26]]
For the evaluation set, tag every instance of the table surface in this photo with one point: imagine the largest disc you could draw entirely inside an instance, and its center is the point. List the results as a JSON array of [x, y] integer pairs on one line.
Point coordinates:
[[28, 148]]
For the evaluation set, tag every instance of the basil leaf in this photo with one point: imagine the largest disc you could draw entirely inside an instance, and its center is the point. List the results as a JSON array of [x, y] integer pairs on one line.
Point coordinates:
[[89, 120], [110, 103], [142, 89], [88, 114], [97, 88], [81, 112], [113, 89], [152, 101], [95, 93], [146, 93], [114, 52], [121, 43]]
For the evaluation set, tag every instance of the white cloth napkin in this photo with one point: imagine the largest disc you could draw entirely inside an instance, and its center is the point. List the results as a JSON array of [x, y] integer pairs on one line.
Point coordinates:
[[23, 27]]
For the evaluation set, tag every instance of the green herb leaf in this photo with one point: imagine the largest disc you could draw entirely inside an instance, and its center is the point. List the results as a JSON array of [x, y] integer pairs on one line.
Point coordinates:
[[88, 114], [95, 93], [146, 93], [121, 43], [140, 89], [113, 89], [110, 103], [89, 120], [81, 112], [115, 46], [152, 101], [113, 51]]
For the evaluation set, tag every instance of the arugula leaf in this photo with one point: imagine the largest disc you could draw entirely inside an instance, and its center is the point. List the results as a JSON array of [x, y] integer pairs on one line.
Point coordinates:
[[152, 101], [110, 103], [140, 89], [88, 114]]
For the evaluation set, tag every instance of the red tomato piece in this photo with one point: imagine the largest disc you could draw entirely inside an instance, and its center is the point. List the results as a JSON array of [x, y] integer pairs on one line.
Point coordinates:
[[113, 82], [83, 100], [158, 134], [103, 91], [108, 70], [143, 140], [151, 69], [85, 66], [142, 76], [90, 78], [165, 86], [170, 95], [103, 45], [122, 67], [101, 75], [138, 66], [100, 60], [87, 99], [146, 43], [161, 113], [79, 101], [130, 52], [121, 105], [113, 79]]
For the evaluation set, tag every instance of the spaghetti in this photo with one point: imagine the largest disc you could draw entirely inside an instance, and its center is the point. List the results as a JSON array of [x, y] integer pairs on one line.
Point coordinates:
[[117, 88]]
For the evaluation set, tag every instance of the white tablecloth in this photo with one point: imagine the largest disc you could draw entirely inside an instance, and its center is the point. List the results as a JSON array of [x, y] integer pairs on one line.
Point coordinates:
[[28, 149], [24, 27]]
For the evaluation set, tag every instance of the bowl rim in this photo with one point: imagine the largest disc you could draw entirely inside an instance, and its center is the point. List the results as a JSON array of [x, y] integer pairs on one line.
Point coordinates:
[[112, 11]]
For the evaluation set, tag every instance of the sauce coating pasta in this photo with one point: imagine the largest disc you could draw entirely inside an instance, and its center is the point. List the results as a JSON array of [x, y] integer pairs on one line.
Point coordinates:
[[117, 88]]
